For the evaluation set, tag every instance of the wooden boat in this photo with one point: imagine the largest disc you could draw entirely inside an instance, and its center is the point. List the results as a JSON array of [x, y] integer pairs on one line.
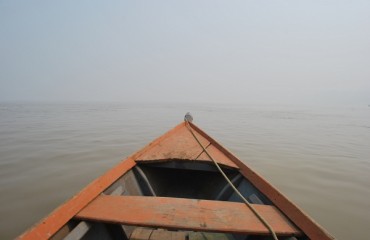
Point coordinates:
[[172, 189]]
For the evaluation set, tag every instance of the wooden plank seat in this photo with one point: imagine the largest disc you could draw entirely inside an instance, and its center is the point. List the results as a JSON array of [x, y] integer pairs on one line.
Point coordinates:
[[186, 214]]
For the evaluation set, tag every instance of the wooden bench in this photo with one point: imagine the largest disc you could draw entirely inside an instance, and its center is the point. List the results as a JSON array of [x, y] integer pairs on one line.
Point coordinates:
[[186, 214]]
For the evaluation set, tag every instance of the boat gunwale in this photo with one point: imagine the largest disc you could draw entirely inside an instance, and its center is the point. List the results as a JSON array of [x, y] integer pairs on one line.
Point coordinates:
[[53, 222], [310, 228], [50, 224]]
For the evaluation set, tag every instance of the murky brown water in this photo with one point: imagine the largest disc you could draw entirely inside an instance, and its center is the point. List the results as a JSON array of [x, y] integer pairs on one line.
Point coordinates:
[[319, 157]]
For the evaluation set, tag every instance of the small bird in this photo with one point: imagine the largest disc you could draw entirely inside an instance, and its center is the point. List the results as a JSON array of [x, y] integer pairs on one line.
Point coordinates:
[[188, 117]]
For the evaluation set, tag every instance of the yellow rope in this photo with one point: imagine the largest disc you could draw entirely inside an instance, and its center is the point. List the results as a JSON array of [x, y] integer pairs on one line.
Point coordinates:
[[232, 185]]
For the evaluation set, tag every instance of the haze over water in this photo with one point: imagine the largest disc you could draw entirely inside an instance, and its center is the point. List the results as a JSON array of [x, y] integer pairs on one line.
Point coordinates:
[[249, 60], [318, 156]]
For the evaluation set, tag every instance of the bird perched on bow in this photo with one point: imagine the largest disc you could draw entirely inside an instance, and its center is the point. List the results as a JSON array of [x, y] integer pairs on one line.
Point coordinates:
[[188, 117]]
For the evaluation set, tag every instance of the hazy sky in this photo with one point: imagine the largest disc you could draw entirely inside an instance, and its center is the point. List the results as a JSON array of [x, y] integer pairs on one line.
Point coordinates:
[[186, 51]]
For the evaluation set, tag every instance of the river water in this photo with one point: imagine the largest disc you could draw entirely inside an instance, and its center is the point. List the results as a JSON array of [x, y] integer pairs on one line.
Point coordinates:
[[318, 156]]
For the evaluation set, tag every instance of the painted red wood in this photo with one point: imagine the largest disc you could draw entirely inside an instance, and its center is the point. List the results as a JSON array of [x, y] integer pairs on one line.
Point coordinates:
[[56, 220], [312, 229], [51, 224], [182, 146], [218, 156], [186, 214]]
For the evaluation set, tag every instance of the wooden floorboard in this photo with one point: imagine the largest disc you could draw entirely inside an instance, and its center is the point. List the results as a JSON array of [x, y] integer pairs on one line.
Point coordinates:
[[141, 234], [162, 234]]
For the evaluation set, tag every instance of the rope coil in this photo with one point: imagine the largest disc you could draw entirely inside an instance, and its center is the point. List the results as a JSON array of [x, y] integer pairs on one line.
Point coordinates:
[[232, 185]]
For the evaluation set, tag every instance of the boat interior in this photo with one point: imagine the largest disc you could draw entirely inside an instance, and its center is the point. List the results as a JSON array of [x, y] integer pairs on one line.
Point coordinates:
[[170, 191]]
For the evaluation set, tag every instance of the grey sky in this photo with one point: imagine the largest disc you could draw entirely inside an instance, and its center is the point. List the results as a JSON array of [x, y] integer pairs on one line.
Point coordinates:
[[181, 51]]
